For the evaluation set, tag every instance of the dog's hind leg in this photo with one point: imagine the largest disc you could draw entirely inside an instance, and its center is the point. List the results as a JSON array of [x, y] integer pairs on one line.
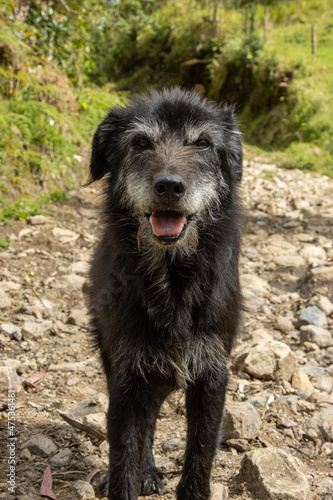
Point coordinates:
[[204, 409]]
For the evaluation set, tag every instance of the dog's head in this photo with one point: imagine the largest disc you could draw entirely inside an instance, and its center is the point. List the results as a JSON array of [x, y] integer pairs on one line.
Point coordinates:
[[173, 159]]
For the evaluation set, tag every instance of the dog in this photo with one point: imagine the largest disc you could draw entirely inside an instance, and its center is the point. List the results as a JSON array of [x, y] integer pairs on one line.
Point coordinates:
[[164, 295]]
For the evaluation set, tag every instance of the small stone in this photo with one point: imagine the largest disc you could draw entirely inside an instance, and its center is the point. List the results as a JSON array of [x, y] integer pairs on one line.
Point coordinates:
[[289, 261], [324, 384], [310, 347], [325, 487], [173, 444], [320, 425], [62, 458], [74, 280], [313, 252], [9, 380], [36, 220], [312, 316], [83, 490], [80, 267], [241, 421], [284, 324], [255, 283], [78, 317], [40, 445], [64, 234], [270, 361], [322, 273], [317, 335], [261, 334], [96, 421], [34, 330], [11, 330], [239, 444], [323, 303], [218, 492], [5, 300], [273, 474], [302, 382], [25, 454]]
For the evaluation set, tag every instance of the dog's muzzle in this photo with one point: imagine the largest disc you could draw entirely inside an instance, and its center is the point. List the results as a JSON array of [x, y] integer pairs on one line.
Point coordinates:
[[168, 224]]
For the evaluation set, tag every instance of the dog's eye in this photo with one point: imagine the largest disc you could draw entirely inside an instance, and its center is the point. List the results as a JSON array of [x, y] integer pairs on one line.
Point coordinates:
[[202, 144], [143, 143]]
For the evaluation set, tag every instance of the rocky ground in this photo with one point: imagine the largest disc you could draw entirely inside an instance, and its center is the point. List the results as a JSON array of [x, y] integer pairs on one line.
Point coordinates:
[[278, 432]]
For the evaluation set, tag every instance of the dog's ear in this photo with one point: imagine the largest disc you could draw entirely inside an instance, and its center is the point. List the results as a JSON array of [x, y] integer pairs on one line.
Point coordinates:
[[104, 153], [233, 143]]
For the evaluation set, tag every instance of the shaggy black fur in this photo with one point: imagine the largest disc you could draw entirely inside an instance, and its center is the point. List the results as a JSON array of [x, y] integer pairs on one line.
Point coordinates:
[[164, 296]]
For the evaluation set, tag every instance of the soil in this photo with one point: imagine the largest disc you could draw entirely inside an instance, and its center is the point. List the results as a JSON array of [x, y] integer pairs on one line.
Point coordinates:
[[37, 274]]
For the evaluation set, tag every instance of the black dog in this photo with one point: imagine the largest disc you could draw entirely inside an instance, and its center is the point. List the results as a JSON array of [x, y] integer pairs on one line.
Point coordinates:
[[164, 296]]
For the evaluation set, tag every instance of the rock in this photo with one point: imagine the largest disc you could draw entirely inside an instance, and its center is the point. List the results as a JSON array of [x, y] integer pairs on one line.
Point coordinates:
[[80, 267], [73, 367], [241, 421], [83, 490], [325, 488], [255, 283], [301, 381], [273, 474], [322, 273], [260, 399], [11, 330], [268, 360], [218, 492], [313, 252], [312, 316], [73, 280], [284, 324], [9, 380], [96, 421], [94, 405], [62, 458], [239, 444], [323, 303], [324, 384], [78, 317], [317, 335], [64, 234], [289, 261], [320, 425], [34, 330], [40, 445], [174, 444], [35, 220], [5, 300], [261, 334]]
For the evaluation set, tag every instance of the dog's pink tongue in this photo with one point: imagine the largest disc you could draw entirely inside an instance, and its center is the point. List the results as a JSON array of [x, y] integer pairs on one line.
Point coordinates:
[[167, 223]]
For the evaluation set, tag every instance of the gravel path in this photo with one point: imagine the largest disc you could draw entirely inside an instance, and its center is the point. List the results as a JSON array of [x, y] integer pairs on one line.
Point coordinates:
[[278, 432]]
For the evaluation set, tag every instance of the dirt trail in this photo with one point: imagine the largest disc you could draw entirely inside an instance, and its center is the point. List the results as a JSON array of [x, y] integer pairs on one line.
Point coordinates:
[[286, 268]]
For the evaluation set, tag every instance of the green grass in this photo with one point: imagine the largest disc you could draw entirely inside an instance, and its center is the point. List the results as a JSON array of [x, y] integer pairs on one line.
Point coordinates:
[[311, 117], [4, 243]]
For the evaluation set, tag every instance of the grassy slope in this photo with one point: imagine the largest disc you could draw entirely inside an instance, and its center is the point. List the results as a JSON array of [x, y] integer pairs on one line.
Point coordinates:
[[289, 42], [46, 126]]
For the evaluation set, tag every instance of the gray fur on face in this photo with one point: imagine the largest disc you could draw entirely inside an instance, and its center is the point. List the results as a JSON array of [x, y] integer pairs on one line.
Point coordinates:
[[171, 154]]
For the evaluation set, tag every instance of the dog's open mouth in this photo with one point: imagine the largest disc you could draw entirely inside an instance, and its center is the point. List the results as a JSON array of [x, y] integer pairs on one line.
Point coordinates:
[[168, 225]]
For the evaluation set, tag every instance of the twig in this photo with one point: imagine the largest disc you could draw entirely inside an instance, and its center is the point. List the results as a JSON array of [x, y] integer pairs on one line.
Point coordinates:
[[82, 427]]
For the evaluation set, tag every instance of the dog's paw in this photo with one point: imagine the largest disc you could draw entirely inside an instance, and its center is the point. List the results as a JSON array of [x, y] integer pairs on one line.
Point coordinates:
[[102, 488], [152, 481]]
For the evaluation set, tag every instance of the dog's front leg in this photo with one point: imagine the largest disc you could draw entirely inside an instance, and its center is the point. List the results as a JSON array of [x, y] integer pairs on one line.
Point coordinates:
[[204, 408], [128, 419]]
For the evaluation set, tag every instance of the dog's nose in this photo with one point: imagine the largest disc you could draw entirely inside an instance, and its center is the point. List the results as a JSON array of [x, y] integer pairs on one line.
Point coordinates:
[[172, 187]]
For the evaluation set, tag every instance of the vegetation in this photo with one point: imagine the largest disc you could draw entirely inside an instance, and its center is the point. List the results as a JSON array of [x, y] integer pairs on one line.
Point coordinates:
[[63, 63]]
